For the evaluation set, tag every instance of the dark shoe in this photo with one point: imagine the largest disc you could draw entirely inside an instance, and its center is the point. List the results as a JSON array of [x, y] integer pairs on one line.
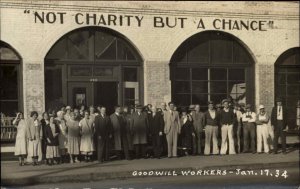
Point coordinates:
[[275, 152]]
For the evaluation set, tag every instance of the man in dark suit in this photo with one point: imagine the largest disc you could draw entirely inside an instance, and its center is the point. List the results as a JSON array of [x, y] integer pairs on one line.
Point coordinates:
[[119, 133], [103, 133], [156, 128], [278, 120], [139, 129]]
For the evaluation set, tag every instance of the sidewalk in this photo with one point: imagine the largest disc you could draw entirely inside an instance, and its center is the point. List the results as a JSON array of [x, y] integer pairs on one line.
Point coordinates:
[[13, 174]]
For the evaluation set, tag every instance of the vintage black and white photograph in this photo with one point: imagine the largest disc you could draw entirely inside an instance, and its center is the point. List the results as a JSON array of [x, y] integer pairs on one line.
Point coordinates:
[[149, 94]]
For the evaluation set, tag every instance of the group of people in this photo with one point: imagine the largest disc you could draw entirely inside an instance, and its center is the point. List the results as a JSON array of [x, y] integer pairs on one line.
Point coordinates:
[[73, 135]]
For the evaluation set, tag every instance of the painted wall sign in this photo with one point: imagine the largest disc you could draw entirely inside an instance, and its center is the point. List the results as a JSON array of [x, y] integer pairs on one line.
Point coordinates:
[[97, 19]]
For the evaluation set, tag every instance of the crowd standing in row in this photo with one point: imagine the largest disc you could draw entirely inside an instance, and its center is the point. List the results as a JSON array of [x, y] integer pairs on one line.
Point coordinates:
[[141, 132]]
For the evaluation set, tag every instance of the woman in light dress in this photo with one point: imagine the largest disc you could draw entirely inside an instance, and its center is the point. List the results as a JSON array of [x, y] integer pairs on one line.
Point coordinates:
[[34, 135], [73, 138], [62, 137], [52, 131], [87, 132], [21, 143]]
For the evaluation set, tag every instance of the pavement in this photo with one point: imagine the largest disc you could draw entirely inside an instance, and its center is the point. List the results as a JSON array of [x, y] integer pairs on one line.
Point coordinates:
[[14, 175]]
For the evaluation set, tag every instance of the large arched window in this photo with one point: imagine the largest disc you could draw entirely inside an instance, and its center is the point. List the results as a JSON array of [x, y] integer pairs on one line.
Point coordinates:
[[211, 66], [10, 81], [93, 66], [287, 81]]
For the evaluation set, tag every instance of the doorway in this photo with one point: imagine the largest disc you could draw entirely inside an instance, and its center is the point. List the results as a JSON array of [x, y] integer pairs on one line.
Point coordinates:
[[106, 94], [93, 93]]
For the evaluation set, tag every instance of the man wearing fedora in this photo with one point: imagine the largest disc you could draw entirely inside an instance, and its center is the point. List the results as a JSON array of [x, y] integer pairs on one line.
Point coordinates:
[[139, 128], [227, 120], [198, 123], [172, 129], [249, 119], [279, 121]]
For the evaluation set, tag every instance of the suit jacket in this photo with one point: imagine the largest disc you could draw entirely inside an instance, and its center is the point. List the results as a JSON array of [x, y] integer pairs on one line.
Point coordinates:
[[102, 126], [172, 121], [274, 117], [33, 132], [156, 123], [119, 129], [198, 121]]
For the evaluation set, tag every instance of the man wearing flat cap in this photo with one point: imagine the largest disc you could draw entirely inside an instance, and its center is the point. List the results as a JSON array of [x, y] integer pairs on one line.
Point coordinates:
[[279, 121], [139, 128], [249, 119], [198, 123]]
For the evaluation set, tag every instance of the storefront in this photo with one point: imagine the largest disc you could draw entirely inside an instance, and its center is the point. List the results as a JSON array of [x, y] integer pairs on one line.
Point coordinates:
[[109, 53]]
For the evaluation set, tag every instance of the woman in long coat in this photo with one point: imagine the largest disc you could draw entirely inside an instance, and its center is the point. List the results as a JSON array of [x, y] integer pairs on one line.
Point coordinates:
[[187, 132], [73, 138], [62, 137], [51, 134], [21, 142], [34, 135], [87, 134]]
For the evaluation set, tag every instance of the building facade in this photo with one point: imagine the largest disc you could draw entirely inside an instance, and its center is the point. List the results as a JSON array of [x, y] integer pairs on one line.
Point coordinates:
[[91, 53]]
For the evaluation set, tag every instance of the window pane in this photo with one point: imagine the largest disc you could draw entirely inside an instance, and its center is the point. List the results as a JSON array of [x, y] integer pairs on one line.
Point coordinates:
[[293, 78], [104, 46], [100, 71], [130, 74], [7, 54], [8, 82], [81, 70], [199, 74], [217, 98], [201, 99], [59, 51], [281, 77], [124, 52], [200, 86], [218, 87], [221, 51], [182, 99], [79, 96], [293, 90], [108, 53], [236, 87], [236, 74], [182, 87], [281, 90], [218, 74], [241, 56], [199, 51], [182, 74], [79, 45]]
